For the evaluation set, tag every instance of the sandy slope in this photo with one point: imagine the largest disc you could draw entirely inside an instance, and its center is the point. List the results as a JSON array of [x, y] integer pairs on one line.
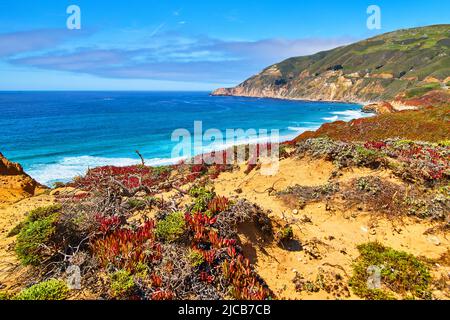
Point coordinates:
[[11, 273], [332, 235], [328, 238]]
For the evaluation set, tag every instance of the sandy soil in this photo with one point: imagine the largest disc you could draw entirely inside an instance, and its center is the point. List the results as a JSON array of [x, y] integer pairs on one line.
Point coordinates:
[[328, 238], [12, 274]]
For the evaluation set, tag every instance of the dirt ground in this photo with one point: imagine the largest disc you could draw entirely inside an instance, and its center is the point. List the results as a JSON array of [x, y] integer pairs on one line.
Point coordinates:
[[325, 239], [329, 238]]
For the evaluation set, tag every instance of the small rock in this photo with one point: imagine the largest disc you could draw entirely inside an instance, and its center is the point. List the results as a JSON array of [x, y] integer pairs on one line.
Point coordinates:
[[302, 204], [373, 232], [434, 240], [295, 211]]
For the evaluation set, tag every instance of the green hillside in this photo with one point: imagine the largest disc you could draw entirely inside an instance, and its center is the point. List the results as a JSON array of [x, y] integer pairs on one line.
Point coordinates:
[[417, 52], [372, 69]]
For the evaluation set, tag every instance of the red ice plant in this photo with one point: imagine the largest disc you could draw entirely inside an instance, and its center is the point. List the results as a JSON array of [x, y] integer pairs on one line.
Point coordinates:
[[377, 145], [131, 177], [236, 270], [125, 249], [107, 224], [218, 204]]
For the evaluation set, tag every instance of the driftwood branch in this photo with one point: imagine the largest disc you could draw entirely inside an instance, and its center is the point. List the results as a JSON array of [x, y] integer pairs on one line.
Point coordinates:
[[140, 156]]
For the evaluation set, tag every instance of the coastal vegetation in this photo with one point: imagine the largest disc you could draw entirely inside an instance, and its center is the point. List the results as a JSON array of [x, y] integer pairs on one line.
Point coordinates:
[[350, 202], [189, 245], [401, 273]]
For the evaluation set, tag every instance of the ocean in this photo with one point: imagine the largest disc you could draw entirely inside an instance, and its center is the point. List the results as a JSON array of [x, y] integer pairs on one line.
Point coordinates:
[[56, 136]]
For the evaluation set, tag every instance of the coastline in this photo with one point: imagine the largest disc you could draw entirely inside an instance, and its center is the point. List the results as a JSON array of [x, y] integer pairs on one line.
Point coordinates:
[[162, 162], [68, 156], [320, 183], [355, 102]]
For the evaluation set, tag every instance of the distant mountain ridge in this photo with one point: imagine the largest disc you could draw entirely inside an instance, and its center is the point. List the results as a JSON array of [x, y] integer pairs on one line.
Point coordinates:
[[372, 70]]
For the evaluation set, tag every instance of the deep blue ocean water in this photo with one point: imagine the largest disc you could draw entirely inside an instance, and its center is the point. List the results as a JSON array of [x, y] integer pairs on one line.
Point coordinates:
[[58, 135]]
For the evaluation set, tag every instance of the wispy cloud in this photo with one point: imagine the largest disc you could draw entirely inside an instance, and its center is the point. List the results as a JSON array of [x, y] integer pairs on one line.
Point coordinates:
[[157, 29], [163, 56], [31, 41]]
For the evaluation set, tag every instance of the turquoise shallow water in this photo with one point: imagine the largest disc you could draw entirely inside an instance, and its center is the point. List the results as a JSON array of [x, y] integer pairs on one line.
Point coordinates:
[[58, 135]]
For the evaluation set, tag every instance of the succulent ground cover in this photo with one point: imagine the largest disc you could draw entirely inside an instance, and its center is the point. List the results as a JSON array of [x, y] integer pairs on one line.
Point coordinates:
[[413, 161], [185, 252], [164, 233]]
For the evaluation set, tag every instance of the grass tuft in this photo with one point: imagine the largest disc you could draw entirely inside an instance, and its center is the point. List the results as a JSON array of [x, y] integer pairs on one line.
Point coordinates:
[[402, 275]]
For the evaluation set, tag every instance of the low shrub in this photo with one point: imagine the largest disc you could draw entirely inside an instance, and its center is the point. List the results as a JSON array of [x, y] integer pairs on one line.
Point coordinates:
[[136, 204], [34, 215], [5, 296], [413, 161], [285, 234], [32, 237], [310, 194], [202, 197], [171, 227], [367, 157], [444, 143], [48, 290], [122, 284], [402, 274], [162, 171], [43, 212], [196, 258]]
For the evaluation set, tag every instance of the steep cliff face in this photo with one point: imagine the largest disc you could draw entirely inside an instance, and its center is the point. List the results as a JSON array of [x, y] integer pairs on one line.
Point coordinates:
[[15, 184], [373, 70]]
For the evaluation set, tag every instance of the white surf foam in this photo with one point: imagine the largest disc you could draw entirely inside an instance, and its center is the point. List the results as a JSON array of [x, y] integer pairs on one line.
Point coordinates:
[[302, 129], [70, 167], [346, 115], [331, 119]]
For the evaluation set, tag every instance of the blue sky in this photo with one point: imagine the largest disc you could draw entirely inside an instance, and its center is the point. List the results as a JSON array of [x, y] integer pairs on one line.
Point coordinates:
[[183, 44]]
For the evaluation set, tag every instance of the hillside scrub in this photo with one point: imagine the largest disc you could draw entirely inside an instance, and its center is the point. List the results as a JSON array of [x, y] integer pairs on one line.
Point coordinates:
[[375, 69], [402, 274], [185, 251], [35, 233], [48, 290], [413, 161], [428, 124]]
